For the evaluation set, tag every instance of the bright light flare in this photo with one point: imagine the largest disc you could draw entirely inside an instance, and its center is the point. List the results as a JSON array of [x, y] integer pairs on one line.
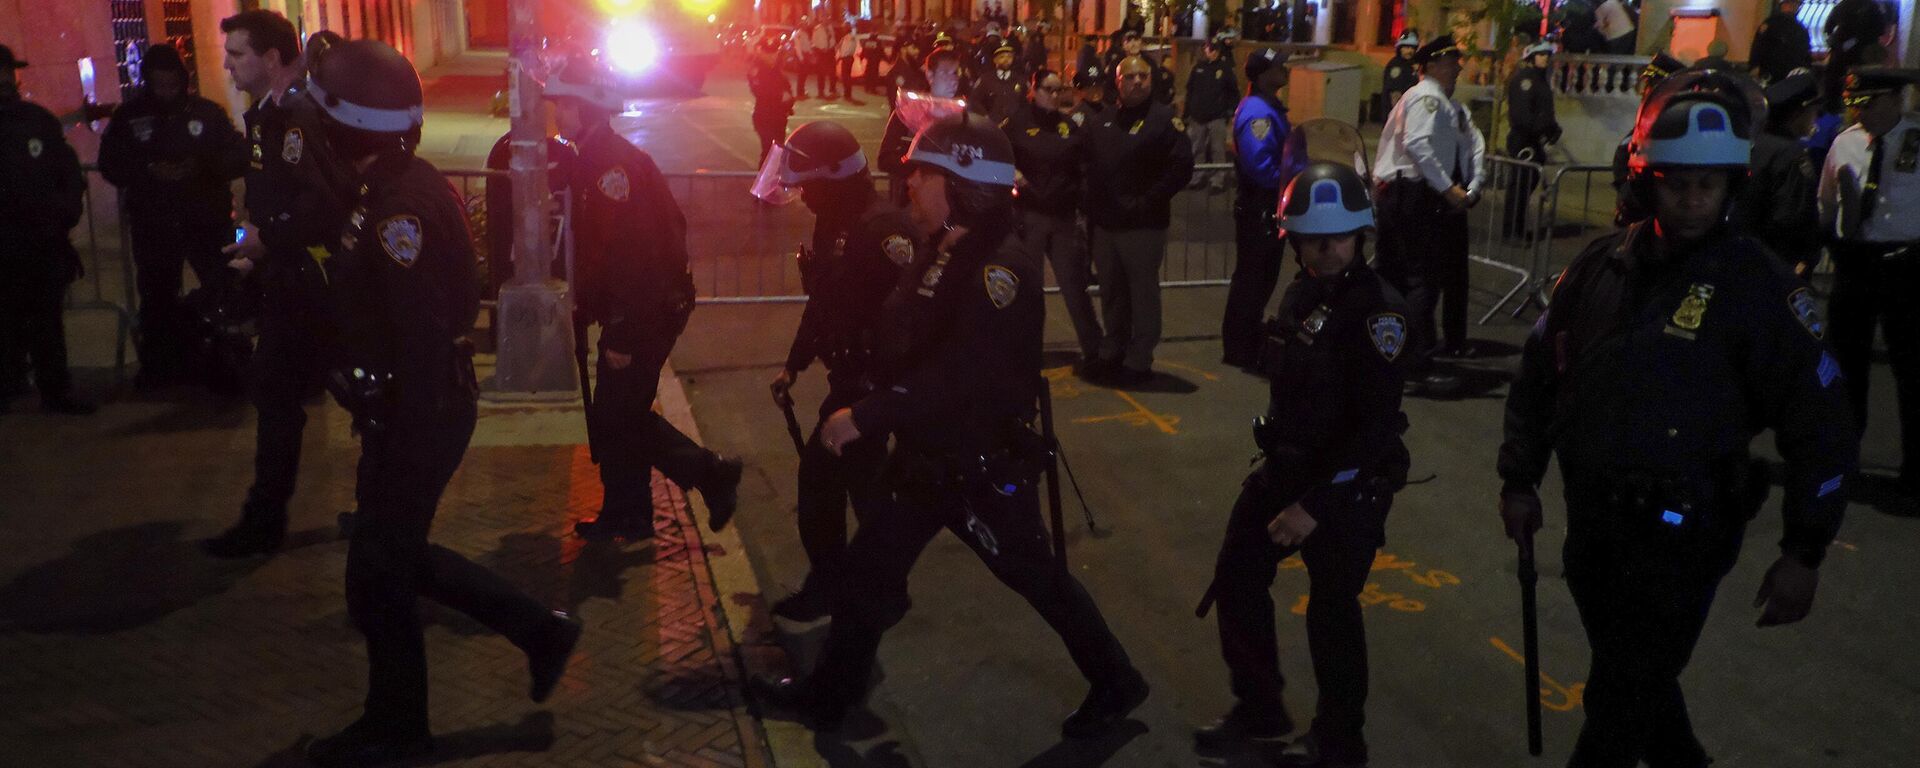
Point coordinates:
[[632, 48]]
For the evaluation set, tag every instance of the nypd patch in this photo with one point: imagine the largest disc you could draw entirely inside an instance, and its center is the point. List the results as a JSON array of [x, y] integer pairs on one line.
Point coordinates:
[[1388, 331], [1526, 84], [400, 238], [1804, 310], [1002, 285], [614, 184], [898, 248], [1079, 118], [35, 147], [195, 128], [295, 148], [1393, 72], [1260, 128]]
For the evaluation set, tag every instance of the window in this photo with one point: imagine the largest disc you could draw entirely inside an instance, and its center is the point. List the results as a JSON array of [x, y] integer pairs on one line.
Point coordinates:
[[1393, 20]]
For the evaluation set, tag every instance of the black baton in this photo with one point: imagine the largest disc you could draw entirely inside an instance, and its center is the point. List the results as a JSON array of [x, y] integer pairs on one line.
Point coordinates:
[[1530, 627], [1056, 516], [793, 425]]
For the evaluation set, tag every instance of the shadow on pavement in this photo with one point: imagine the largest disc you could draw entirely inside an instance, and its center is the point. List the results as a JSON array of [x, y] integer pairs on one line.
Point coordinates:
[[534, 733], [1087, 752], [526, 560], [840, 754], [1885, 496], [117, 580]]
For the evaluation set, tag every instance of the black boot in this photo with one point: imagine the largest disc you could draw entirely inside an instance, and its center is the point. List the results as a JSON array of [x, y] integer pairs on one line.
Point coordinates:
[[368, 742], [259, 532], [1106, 706], [722, 491], [814, 709], [1307, 752], [808, 604], [548, 654], [1246, 723]]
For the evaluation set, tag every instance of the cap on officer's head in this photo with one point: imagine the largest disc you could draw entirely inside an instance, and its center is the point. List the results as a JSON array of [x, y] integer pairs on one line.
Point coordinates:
[[1864, 84], [1795, 92], [1325, 199], [1694, 120], [943, 41], [1263, 60], [1438, 49], [586, 78], [1006, 48], [1538, 48], [162, 58], [1658, 70], [7, 61], [1088, 77], [1408, 39]]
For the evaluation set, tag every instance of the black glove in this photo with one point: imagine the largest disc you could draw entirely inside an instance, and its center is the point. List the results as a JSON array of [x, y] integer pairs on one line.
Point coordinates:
[[1520, 513]]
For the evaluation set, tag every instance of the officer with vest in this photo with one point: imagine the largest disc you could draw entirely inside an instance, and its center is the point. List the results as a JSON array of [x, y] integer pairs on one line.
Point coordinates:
[[1399, 76], [1431, 167], [1049, 154], [1778, 207], [859, 245], [1869, 193], [43, 194], [1669, 346], [1531, 126], [1260, 130], [404, 270], [1333, 459], [961, 377], [171, 153], [294, 191], [632, 280]]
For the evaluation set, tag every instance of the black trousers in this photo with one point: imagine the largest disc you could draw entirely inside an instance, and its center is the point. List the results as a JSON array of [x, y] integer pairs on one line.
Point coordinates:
[[403, 471], [1643, 599], [1870, 290], [160, 249], [770, 130], [1258, 254], [1338, 555], [1520, 185], [1423, 254], [289, 366], [33, 333], [870, 594], [632, 440], [828, 483]]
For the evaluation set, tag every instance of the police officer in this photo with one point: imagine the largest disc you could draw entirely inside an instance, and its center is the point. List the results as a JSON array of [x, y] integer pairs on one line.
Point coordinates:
[[906, 75], [293, 204], [1090, 84], [1212, 92], [962, 376], [859, 245], [1780, 45], [631, 269], [1260, 130], [1125, 44], [1869, 191], [408, 293], [44, 196], [171, 153], [1431, 165], [1399, 76], [873, 54], [943, 82], [1531, 127], [1050, 151], [1333, 459], [1163, 77], [1628, 209], [1138, 159], [1000, 91], [772, 95], [1778, 206], [1670, 344]]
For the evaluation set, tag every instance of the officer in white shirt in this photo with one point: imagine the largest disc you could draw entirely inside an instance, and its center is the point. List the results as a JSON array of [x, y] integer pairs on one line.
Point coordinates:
[[1869, 192], [1613, 23], [1430, 168]]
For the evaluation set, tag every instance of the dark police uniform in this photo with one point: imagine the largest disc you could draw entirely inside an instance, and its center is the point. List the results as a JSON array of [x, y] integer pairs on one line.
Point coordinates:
[[1138, 158], [43, 195], [1212, 93], [409, 292], [1331, 442], [1050, 150], [905, 76], [873, 52], [1260, 130], [1532, 127], [998, 93], [960, 380], [633, 281], [1396, 78], [1163, 78], [1648, 379], [1777, 205], [772, 105], [850, 274], [172, 163], [1780, 46]]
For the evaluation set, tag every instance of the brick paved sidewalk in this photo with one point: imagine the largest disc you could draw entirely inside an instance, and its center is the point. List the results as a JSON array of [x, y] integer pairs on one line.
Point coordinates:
[[123, 645]]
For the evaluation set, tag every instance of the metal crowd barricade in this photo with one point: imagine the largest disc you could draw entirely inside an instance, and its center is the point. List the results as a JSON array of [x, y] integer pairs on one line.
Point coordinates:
[[1580, 204], [105, 247], [1515, 223]]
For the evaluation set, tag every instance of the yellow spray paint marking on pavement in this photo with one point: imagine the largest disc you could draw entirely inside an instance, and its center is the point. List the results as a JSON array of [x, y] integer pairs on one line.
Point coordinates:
[[1553, 695], [1140, 416], [1373, 594], [1209, 376]]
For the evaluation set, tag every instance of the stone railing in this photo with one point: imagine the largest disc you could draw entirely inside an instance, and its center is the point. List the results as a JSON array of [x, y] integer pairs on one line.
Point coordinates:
[[1597, 75]]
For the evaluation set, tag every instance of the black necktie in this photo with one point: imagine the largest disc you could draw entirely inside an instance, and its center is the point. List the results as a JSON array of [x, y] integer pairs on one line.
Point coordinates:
[[1870, 192]]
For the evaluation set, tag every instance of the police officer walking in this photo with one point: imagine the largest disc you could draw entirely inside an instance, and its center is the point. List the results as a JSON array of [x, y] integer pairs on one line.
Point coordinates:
[[1399, 76], [1212, 91], [859, 245], [1778, 206], [1431, 165], [958, 398], [1260, 130], [1333, 459], [1138, 159], [1049, 154], [631, 267], [1669, 346], [772, 96], [1531, 127], [44, 196], [293, 203], [409, 296], [1869, 191], [171, 153]]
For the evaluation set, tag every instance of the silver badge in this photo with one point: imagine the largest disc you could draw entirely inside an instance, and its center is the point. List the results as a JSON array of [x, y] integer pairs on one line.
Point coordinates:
[[195, 127], [400, 238], [295, 148], [614, 185]]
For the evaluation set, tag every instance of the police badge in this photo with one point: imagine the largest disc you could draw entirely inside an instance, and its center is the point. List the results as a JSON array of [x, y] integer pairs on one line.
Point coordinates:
[[898, 249], [1079, 118], [1804, 310], [1033, 131], [35, 147], [1393, 72], [1526, 84], [1065, 131], [1693, 309], [400, 238], [1002, 285], [295, 148], [1389, 333], [614, 184], [195, 128]]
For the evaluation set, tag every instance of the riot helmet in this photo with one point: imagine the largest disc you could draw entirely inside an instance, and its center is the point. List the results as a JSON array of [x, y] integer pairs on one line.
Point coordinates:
[[370, 99], [977, 160], [1325, 199]]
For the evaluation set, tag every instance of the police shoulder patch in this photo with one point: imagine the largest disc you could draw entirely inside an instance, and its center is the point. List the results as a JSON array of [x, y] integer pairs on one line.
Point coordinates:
[[898, 248], [1260, 128], [614, 184], [1079, 118], [1804, 310], [1393, 71], [1219, 73], [400, 238], [1388, 331], [294, 148], [1526, 83], [195, 128], [1433, 104], [35, 147], [1002, 285]]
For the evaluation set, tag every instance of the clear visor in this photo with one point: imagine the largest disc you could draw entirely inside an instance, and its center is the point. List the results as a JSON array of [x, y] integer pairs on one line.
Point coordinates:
[[768, 186], [919, 110]]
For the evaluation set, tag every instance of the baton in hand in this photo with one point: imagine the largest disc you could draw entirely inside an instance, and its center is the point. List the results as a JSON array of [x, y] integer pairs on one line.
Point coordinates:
[[793, 425], [1530, 623]]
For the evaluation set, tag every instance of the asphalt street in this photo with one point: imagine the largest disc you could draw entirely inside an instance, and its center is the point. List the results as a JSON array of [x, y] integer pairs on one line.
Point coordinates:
[[971, 677]]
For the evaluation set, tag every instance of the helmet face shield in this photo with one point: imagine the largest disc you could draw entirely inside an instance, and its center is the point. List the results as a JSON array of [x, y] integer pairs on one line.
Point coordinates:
[[769, 185], [919, 110]]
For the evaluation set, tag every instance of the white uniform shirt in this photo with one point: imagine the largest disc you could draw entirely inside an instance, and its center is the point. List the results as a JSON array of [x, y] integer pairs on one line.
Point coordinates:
[[822, 38], [1611, 20], [1427, 136], [1896, 208]]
